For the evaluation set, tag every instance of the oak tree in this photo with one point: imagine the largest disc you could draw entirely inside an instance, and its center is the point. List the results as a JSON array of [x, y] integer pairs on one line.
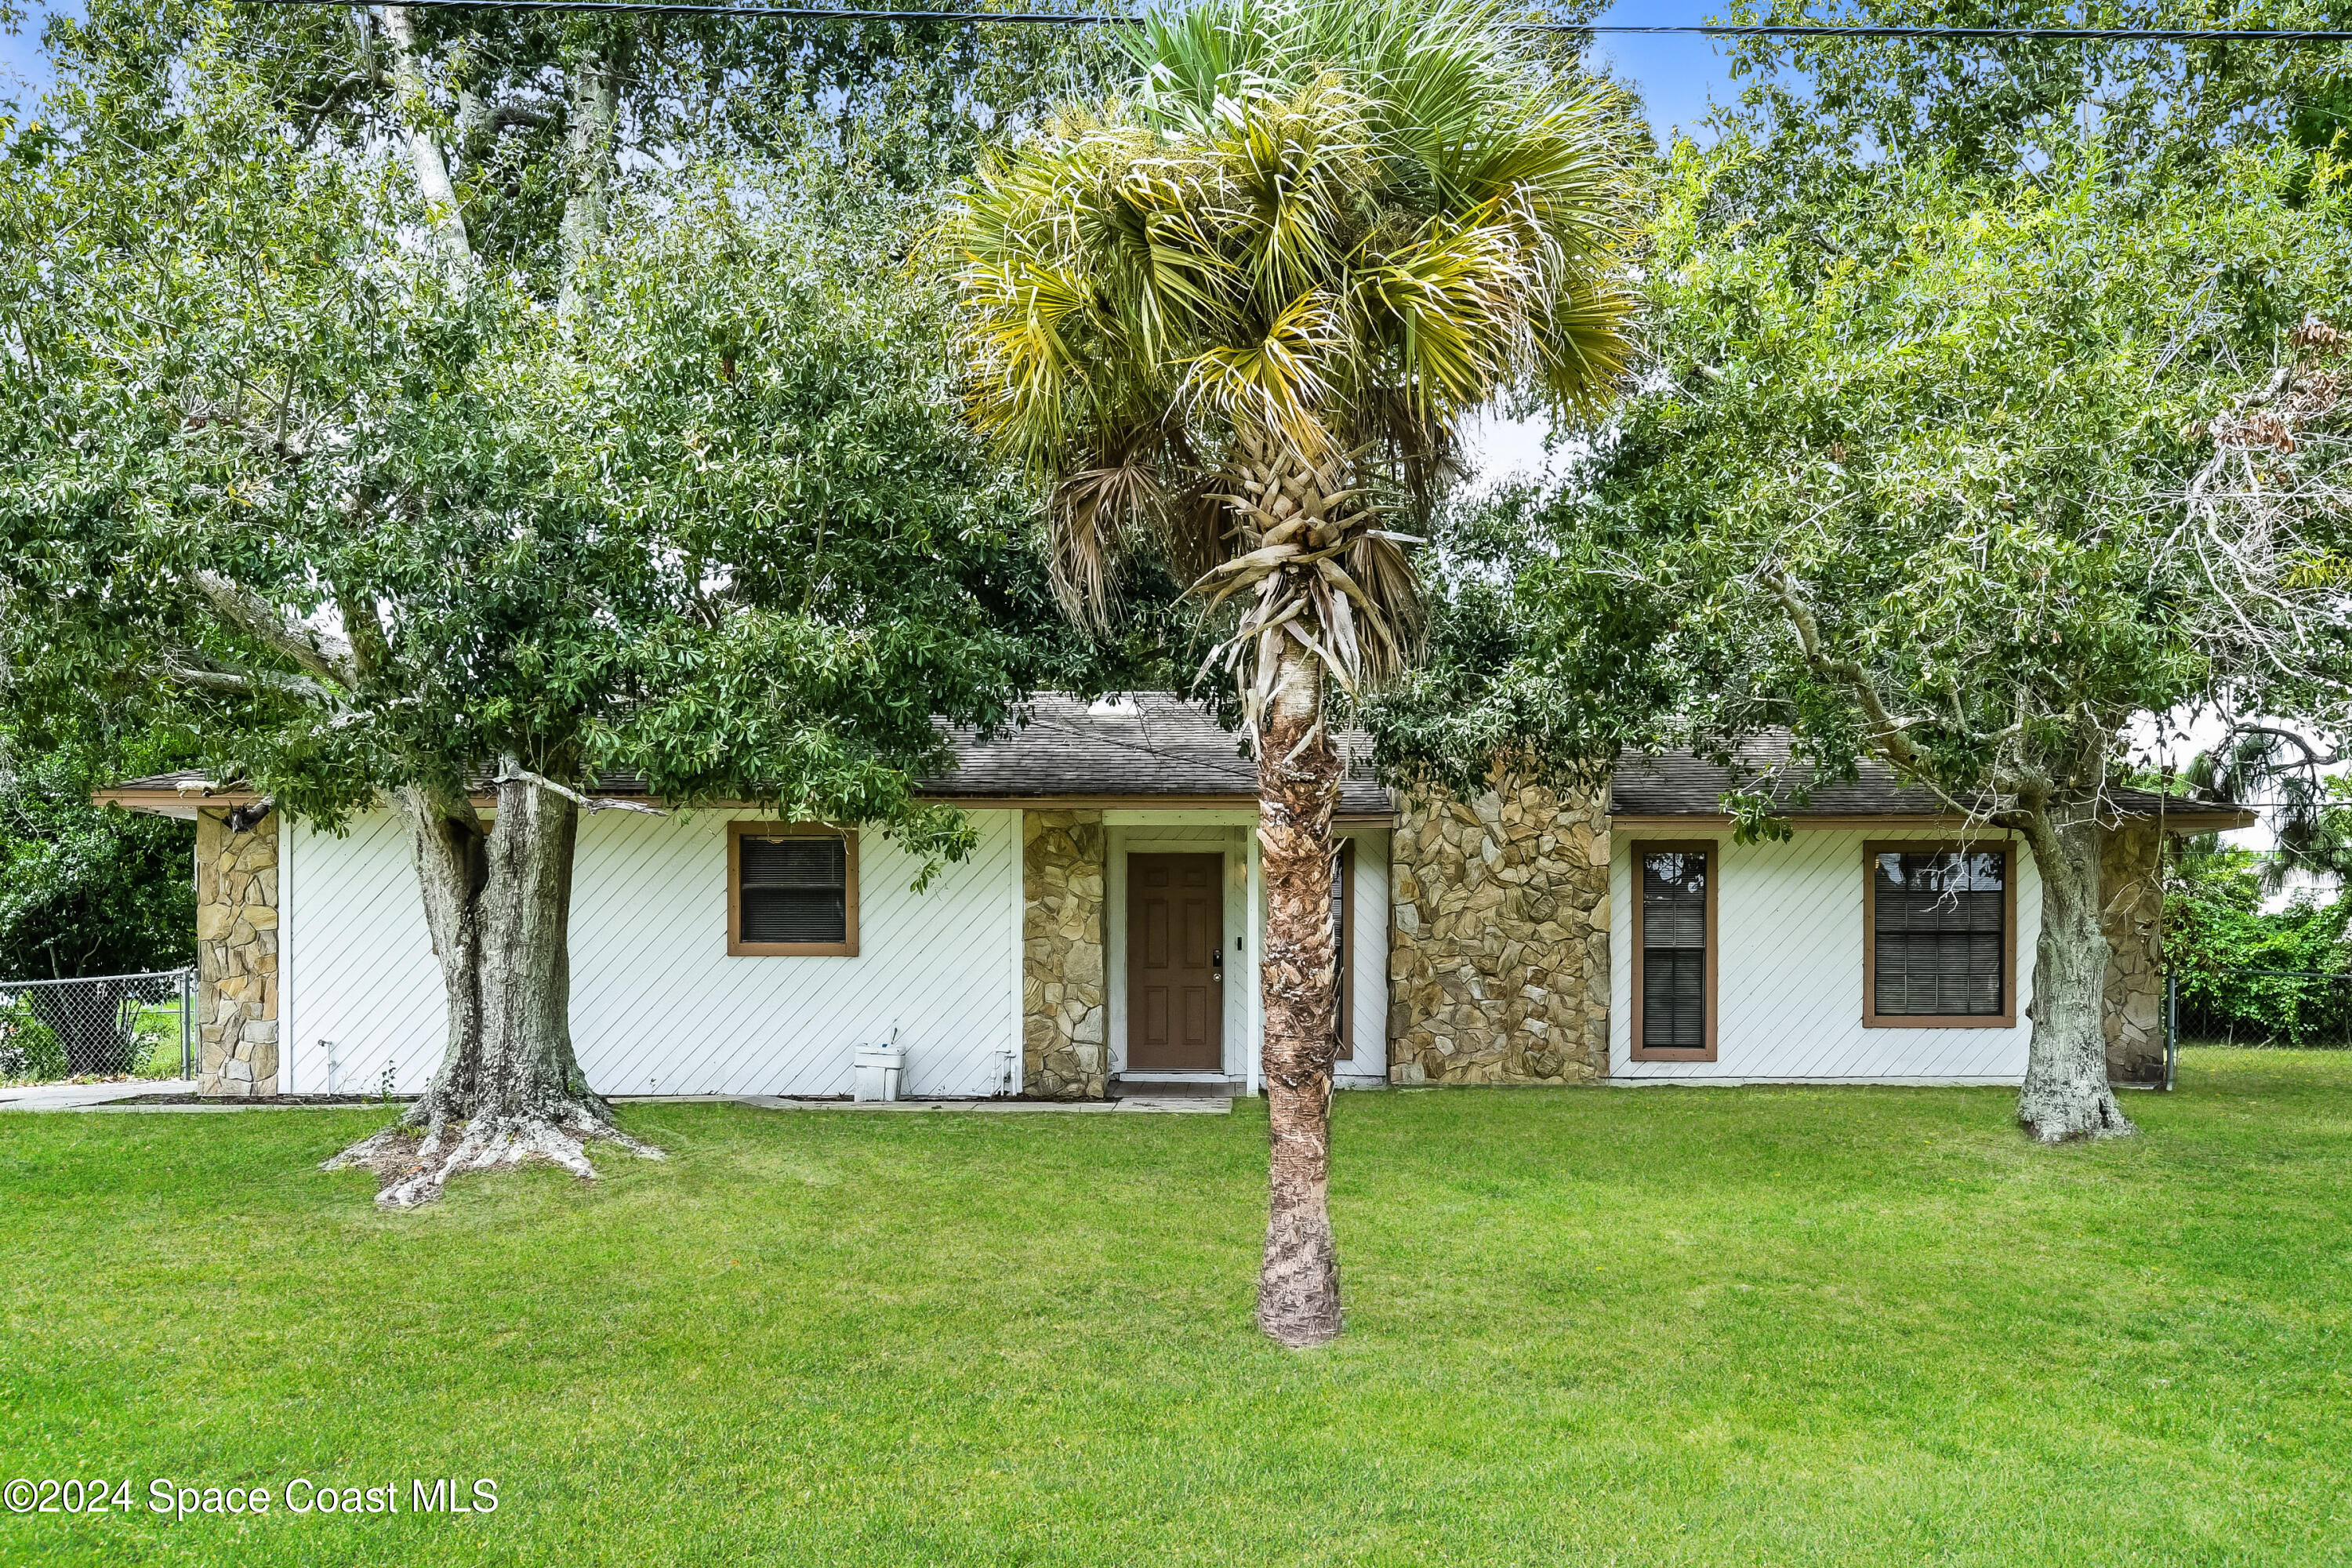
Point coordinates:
[[367, 413]]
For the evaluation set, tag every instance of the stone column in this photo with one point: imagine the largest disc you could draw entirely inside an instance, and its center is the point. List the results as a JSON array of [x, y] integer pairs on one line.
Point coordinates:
[[236, 955], [2133, 884], [1498, 955], [1064, 1050]]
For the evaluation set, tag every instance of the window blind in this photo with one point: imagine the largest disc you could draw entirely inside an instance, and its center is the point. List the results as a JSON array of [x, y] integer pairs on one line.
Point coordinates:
[[794, 889], [1939, 933], [1673, 949]]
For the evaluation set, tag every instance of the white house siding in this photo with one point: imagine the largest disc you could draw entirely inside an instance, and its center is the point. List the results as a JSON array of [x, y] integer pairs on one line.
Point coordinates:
[[1368, 917], [360, 990], [1789, 970], [657, 1004]]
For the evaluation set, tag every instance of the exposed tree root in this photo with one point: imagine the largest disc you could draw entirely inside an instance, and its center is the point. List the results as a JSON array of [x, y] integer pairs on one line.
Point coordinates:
[[2087, 1113], [413, 1162]]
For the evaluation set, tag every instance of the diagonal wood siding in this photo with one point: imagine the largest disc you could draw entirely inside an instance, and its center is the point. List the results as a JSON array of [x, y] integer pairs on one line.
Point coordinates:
[[1789, 973], [657, 1005]]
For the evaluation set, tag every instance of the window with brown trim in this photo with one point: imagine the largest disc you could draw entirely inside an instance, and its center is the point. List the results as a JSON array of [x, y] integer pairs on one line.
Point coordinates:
[[1939, 936], [1673, 952], [791, 890]]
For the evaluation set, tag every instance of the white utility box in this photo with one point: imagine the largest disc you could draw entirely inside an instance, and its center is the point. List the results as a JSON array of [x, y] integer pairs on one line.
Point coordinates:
[[879, 1069]]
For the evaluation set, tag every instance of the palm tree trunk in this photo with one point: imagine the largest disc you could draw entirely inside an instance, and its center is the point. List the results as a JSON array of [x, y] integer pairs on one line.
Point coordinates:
[[1298, 788]]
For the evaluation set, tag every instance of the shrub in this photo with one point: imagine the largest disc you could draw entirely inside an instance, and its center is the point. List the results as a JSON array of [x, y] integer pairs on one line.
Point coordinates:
[[29, 1049], [2249, 976]]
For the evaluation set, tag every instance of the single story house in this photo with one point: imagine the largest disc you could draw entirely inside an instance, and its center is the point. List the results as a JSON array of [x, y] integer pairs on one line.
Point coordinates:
[[1103, 936]]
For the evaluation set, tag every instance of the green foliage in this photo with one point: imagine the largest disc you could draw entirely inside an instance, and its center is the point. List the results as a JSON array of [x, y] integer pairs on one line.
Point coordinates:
[[29, 1049], [1236, 315], [905, 105], [1537, 657], [2004, 107], [2246, 974], [87, 889], [352, 516], [1943, 426], [1320, 222]]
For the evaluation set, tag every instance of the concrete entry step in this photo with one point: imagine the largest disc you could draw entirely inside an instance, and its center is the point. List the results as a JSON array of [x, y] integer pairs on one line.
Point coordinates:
[[1173, 1086]]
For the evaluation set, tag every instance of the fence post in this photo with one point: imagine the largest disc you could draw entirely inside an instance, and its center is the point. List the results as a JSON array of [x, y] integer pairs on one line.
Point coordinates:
[[186, 1004], [2172, 1027]]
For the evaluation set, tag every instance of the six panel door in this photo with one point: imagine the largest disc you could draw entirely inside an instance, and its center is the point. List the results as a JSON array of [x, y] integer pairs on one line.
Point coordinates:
[[1175, 942]]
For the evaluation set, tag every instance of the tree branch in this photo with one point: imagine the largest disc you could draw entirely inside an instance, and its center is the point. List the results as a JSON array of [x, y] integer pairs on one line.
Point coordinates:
[[334, 100], [2311, 757], [424, 155], [593, 121], [322, 653], [1886, 731], [248, 683], [590, 803]]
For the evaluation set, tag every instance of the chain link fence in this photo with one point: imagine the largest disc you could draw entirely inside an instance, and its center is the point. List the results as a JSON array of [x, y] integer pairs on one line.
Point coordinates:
[[2290, 1009], [100, 1025]]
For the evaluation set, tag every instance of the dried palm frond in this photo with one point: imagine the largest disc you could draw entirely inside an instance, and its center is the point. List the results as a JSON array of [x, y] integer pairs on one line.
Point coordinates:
[[1319, 570]]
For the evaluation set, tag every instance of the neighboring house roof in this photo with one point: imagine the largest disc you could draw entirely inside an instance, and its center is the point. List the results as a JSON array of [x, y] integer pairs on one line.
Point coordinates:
[[1679, 786], [1154, 750]]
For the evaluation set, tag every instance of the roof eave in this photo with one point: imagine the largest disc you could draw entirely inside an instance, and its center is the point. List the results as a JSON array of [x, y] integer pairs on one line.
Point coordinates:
[[183, 803], [2201, 819]]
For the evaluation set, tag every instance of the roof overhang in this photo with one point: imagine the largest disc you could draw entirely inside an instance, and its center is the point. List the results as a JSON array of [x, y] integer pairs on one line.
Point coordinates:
[[2200, 819], [180, 803], [185, 801]]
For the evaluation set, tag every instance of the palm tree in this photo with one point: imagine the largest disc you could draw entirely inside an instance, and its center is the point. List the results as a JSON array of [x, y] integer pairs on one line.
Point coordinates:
[[1235, 319]]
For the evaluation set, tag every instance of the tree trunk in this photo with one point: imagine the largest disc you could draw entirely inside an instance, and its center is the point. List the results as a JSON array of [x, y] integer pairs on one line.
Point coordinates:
[[509, 1092], [2066, 1094], [592, 118], [425, 156], [1298, 788]]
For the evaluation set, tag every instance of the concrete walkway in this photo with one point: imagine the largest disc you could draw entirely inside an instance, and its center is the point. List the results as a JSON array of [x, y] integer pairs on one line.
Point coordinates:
[[89, 1096], [1202, 1106], [107, 1096]]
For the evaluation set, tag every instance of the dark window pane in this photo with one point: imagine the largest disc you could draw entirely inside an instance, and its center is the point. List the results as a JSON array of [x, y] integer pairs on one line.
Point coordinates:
[[795, 890], [794, 862], [1673, 997], [1938, 928], [1673, 949], [792, 914]]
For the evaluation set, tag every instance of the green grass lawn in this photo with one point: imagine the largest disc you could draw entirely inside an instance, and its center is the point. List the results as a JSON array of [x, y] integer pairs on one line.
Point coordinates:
[[1653, 1327]]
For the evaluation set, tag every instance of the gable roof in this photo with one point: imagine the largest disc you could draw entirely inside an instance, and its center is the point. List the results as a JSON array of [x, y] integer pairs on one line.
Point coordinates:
[[1140, 746]]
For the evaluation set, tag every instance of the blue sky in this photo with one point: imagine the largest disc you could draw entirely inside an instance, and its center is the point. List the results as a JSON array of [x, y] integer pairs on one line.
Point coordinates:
[[1676, 75]]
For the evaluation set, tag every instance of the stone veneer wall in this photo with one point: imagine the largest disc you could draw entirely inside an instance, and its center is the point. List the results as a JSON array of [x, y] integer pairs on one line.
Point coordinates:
[[236, 955], [1498, 954], [2134, 887], [1064, 999]]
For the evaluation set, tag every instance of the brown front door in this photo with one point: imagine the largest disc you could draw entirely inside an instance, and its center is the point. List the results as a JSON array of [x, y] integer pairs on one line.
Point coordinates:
[[1175, 962]]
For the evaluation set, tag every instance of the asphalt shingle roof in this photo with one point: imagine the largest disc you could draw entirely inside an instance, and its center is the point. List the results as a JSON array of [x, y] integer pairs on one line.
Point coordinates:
[[1147, 744], [1140, 746], [1151, 745], [1678, 783]]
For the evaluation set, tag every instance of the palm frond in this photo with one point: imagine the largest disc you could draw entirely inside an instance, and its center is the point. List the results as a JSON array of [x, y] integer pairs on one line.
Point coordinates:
[[1226, 313]]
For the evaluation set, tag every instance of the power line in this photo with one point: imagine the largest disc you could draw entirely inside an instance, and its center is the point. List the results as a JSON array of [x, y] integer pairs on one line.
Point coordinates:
[[1099, 19]]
